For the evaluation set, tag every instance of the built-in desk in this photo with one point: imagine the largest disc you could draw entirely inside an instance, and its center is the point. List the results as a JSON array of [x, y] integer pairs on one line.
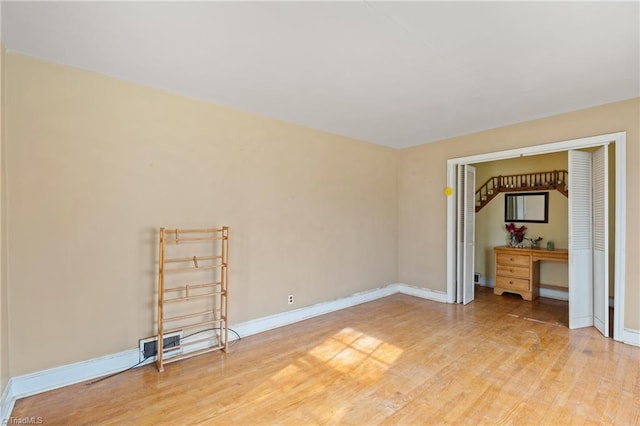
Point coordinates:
[[518, 269]]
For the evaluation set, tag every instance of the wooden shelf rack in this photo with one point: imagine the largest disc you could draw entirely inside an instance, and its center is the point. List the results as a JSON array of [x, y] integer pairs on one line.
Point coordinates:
[[192, 290]]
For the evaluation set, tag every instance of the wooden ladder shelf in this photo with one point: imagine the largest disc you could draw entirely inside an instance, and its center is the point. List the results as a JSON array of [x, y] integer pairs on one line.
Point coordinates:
[[192, 291]]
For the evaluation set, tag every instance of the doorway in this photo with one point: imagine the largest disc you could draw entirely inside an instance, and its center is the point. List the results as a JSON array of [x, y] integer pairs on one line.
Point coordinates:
[[619, 139], [544, 215]]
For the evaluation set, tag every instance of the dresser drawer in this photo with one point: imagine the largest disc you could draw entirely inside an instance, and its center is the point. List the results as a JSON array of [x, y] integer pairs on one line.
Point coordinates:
[[512, 259], [512, 283], [512, 271]]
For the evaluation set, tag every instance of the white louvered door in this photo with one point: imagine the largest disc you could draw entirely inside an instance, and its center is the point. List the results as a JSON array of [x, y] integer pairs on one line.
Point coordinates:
[[460, 234], [466, 233], [600, 196], [580, 240], [469, 232]]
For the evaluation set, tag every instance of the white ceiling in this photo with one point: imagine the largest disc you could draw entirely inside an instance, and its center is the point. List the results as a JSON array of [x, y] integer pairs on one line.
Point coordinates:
[[392, 73]]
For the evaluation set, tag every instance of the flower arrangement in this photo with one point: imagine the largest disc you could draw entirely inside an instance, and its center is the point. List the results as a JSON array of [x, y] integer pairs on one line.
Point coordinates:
[[517, 234]]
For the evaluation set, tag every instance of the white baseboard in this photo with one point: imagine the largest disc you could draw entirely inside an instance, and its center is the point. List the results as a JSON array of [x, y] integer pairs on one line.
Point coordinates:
[[53, 378], [553, 293], [270, 322], [550, 293], [8, 400], [40, 381], [279, 320], [424, 293], [631, 337]]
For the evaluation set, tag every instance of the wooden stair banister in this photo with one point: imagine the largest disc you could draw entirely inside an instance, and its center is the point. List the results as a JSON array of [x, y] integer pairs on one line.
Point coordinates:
[[536, 181]]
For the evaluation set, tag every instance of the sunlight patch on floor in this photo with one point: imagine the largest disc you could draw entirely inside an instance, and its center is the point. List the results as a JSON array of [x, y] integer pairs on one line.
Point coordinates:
[[352, 355], [350, 350]]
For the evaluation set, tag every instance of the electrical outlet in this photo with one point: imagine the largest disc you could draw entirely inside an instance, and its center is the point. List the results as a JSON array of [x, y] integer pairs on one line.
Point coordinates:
[[290, 299]]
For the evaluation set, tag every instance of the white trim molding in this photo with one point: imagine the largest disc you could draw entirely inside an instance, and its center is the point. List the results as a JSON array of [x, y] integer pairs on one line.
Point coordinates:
[[7, 402], [549, 293], [620, 235], [259, 325], [553, 293], [631, 337], [270, 322], [424, 293], [57, 377]]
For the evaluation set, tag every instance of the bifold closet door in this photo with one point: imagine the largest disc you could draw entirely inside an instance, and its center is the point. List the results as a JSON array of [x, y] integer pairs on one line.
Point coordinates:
[[580, 240], [600, 197], [465, 233], [589, 240]]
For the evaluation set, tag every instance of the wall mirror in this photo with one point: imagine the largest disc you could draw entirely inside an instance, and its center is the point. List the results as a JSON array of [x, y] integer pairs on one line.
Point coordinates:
[[527, 207]]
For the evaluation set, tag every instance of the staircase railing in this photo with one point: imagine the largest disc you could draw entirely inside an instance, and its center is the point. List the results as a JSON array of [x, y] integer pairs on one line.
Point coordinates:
[[537, 181]]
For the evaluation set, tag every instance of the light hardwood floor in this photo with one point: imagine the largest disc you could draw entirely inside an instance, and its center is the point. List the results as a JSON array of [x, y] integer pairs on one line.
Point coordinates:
[[397, 360]]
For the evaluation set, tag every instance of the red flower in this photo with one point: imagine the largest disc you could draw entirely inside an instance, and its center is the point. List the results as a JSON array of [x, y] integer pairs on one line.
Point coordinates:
[[518, 233]]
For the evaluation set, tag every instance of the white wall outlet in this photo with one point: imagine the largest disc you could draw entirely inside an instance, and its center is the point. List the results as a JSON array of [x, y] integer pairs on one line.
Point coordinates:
[[290, 299]]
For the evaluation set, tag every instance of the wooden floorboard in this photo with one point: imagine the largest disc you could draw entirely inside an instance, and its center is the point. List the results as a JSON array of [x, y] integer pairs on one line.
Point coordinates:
[[396, 360]]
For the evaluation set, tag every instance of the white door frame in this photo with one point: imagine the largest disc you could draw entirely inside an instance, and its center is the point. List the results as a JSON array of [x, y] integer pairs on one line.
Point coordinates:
[[620, 140]]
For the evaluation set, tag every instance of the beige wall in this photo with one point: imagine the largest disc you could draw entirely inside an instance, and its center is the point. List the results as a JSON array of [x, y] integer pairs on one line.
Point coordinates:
[[97, 165], [4, 312], [422, 245], [490, 231]]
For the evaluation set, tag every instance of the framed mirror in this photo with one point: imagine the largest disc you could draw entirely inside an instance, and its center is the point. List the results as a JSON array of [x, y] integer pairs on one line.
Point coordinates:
[[526, 207]]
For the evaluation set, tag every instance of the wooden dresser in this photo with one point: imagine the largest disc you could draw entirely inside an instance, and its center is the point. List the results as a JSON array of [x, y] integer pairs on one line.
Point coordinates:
[[518, 270]]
